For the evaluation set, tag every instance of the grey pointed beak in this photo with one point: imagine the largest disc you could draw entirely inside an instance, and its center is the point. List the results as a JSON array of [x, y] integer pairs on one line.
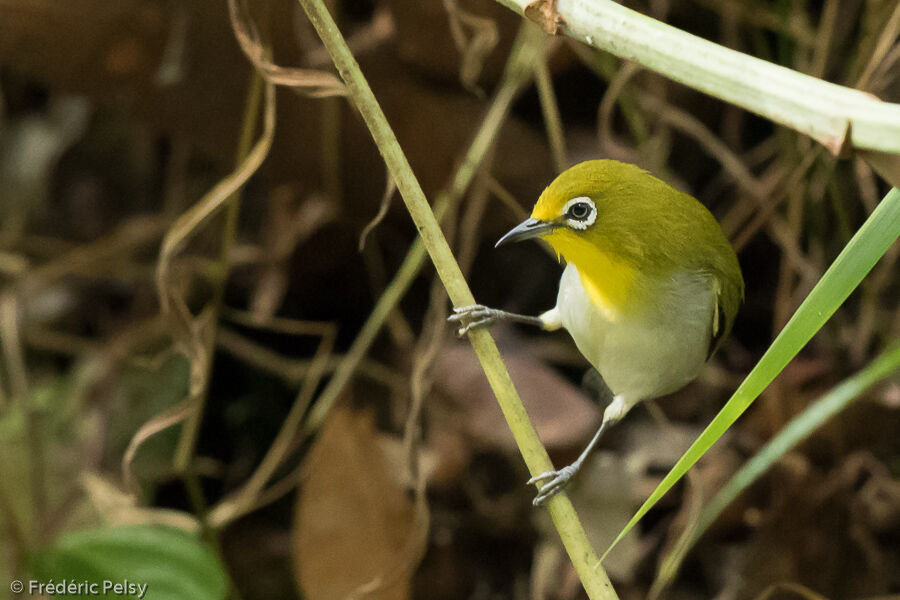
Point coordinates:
[[527, 229]]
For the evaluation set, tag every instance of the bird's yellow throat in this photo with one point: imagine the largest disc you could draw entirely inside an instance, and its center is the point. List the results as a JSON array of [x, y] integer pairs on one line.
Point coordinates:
[[607, 279]]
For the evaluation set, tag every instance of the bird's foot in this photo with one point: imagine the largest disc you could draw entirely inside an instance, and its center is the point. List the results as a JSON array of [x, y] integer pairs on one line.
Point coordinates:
[[557, 481], [476, 315]]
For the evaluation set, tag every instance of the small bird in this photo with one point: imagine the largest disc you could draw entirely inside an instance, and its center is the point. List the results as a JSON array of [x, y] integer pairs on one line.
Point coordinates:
[[650, 289]]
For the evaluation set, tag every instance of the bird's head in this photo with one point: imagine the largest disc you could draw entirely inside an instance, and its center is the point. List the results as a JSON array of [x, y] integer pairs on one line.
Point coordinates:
[[593, 216], [595, 205], [621, 226]]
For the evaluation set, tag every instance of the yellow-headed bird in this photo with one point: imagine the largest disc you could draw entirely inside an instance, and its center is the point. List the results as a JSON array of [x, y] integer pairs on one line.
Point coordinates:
[[650, 289]]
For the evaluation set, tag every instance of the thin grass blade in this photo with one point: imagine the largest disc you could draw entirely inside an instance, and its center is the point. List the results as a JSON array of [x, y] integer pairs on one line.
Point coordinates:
[[798, 429], [873, 239]]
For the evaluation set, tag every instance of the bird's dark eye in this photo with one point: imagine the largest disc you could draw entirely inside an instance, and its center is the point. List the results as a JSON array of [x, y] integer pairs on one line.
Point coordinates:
[[579, 211]]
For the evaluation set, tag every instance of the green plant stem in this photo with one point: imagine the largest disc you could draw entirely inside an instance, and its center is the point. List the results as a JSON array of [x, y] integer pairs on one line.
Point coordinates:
[[209, 533], [515, 78], [586, 563], [187, 441], [284, 440], [552, 119]]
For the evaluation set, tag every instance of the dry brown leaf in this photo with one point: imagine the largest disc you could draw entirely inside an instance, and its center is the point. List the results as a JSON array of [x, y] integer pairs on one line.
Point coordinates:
[[95, 259], [358, 533], [191, 221], [562, 415], [168, 418], [309, 82], [389, 188], [474, 45], [117, 507]]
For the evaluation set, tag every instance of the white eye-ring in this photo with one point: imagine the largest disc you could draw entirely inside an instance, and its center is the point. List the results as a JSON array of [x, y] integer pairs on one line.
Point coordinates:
[[580, 213]]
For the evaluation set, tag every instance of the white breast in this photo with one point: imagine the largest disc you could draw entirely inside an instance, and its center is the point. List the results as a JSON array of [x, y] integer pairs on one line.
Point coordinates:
[[644, 354]]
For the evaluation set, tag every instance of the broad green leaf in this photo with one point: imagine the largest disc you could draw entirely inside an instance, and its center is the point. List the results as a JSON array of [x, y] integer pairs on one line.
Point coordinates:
[[873, 239], [171, 563]]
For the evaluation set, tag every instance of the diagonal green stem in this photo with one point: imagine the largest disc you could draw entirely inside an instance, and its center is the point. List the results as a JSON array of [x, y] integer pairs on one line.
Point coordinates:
[[516, 76], [584, 559]]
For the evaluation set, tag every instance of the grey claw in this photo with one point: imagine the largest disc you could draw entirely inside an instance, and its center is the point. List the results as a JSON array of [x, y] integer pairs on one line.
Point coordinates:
[[467, 308], [558, 480], [541, 477], [477, 314], [461, 312]]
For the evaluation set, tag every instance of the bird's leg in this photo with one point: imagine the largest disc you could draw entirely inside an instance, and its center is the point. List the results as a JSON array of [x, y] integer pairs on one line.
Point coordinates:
[[560, 478], [478, 315]]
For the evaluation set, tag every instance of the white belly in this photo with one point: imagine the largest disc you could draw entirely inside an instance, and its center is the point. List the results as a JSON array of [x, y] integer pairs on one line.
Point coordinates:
[[648, 354]]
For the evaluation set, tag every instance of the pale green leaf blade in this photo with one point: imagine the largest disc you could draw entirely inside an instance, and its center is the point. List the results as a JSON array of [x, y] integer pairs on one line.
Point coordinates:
[[869, 244], [798, 429]]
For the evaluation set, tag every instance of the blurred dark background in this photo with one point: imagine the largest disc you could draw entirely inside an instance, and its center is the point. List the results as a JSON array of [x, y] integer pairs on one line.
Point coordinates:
[[117, 117]]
